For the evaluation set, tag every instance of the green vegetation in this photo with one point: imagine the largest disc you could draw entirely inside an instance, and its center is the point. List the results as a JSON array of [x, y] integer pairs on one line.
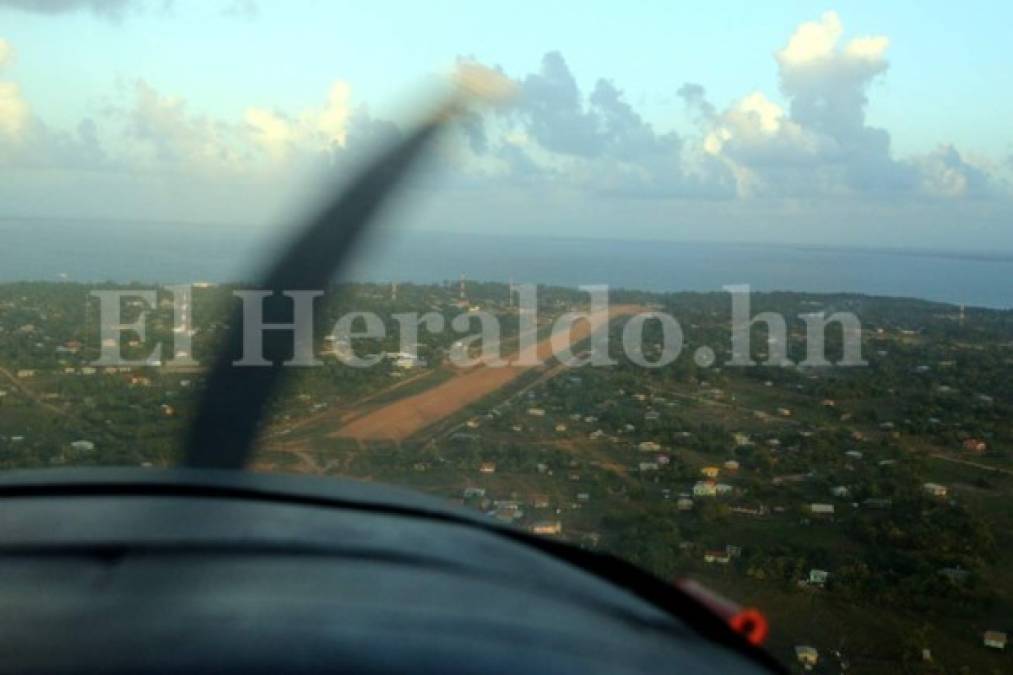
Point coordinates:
[[613, 454]]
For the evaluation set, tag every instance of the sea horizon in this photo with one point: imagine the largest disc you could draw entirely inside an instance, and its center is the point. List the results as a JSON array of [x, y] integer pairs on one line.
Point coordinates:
[[153, 252]]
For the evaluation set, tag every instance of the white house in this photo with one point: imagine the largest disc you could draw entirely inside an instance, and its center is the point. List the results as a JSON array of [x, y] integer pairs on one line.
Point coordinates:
[[995, 639], [818, 577], [807, 656], [705, 488], [548, 527]]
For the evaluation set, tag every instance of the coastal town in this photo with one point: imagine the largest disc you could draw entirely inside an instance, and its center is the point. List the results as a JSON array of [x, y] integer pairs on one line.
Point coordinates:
[[819, 495]]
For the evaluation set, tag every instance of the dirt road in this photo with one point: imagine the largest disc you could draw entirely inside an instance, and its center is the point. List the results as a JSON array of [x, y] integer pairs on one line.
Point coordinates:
[[409, 415]]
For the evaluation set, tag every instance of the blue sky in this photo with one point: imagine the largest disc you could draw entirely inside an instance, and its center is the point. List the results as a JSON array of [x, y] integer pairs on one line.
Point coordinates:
[[915, 152]]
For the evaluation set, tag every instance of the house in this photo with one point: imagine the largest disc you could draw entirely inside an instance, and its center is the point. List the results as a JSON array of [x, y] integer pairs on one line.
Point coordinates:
[[731, 465], [82, 446], [710, 471], [853, 454], [470, 492], [821, 509], [878, 503], [487, 467], [652, 416], [506, 514], [547, 527], [408, 362], [648, 446], [995, 639], [560, 428], [684, 504], [583, 497], [975, 446], [818, 577], [648, 466], [840, 491], [25, 374], [663, 460], [741, 438], [935, 489], [540, 501], [721, 489], [717, 557], [956, 575], [705, 488], [758, 511], [784, 412], [536, 412], [807, 656]]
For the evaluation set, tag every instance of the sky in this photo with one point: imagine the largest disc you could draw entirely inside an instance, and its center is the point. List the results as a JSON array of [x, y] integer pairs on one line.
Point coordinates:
[[861, 124]]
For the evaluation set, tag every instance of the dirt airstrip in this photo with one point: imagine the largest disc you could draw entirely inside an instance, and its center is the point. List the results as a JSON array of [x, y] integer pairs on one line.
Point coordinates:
[[402, 418]]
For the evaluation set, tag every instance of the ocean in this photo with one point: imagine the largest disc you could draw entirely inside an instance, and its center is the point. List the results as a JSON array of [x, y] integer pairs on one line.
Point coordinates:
[[171, 253]]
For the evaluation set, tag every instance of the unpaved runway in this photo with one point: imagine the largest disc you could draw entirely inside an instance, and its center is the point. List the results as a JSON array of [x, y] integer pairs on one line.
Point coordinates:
[[400, 419]]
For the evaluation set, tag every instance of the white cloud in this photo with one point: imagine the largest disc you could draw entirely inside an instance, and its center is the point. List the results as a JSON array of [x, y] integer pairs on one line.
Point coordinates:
[[820, 144], [314, 130], [812, 41], [945, 173], [867, 48], [271, 131], [163, 134], [809, 144], [14, 112]]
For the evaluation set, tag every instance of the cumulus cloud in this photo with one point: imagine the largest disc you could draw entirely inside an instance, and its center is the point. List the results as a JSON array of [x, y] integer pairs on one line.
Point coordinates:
[[318, 129], [822, 143], [595, 141], [807, 142], [13, 108], [944, 172], [165, 134]]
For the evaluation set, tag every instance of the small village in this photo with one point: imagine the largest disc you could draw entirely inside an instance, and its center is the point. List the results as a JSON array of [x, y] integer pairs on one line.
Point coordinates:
[[817, 495]]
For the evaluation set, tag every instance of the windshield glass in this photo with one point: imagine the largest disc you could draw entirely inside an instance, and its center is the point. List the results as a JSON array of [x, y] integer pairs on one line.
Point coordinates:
[[721, 290]]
